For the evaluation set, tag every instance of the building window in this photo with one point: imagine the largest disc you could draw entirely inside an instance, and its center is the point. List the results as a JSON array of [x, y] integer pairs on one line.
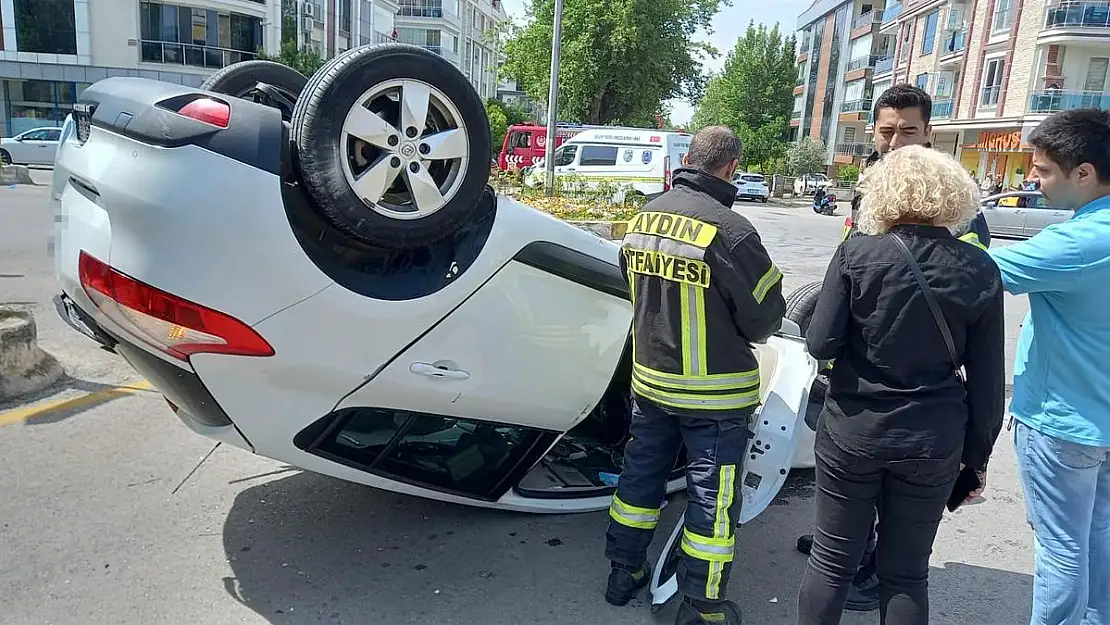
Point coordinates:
[[179, 35], [1003, 16], [922, 82], [1096, 74], [344, 8], [992, 83], [849, 134], [929, 33], [46, 26], [365, 29], [38, 103], [904, 46]]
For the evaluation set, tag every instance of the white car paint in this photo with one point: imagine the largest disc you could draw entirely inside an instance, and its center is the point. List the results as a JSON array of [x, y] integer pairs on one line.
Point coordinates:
[[503, 343], [36, 146], [751, 186]]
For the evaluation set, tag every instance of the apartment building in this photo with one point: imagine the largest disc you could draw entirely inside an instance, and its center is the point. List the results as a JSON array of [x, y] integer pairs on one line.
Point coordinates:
[[50, 50], [839, 48], [996, 69]]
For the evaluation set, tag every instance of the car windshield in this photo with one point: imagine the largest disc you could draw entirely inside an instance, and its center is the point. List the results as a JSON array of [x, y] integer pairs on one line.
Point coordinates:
[[751, 178]]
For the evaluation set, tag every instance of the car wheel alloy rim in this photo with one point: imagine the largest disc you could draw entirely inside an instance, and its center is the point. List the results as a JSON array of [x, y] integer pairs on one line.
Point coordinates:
[[405, 149]]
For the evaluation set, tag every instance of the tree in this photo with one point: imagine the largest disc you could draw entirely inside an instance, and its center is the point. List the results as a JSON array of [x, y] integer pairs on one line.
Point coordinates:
[[753, 94], [620, 58], [498, 124], [805, 157], [305, 61]]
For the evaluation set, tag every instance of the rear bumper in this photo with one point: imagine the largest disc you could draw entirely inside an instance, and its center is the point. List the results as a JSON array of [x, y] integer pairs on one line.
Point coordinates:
[[183, 389]]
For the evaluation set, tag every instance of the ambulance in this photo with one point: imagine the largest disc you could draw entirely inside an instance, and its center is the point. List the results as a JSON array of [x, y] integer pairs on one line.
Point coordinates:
[[636, 161]]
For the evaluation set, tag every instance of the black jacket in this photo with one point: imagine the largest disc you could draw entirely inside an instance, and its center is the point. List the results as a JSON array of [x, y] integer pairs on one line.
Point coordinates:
[[892, 392], [703, 290]]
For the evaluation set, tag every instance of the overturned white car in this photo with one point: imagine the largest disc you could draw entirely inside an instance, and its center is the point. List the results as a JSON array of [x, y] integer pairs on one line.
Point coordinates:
[[320, 274]]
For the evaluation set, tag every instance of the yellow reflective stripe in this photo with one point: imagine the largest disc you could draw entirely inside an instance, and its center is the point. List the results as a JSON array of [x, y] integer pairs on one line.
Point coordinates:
[[691, 401], [711, 382], [769, 279], [973, 238], [633, 516], [722, 528], [712, 617], [726, 484], [677, 227], [707, 549], [847, 231], [667, 266], [692, 304]]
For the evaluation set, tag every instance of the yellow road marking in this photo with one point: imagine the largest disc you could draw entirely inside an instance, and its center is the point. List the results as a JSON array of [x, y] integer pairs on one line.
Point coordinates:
[[37, 410]]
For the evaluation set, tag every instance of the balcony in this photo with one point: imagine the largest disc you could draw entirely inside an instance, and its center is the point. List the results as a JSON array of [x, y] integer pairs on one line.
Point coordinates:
[[1054, 100], [867, 19], [413, 10], [942, 109], [445, 53], [856, 106], [891, 12], [1077, 15], [954, 43], [854, 149], [208, 57], [863, 62], [884, 64]]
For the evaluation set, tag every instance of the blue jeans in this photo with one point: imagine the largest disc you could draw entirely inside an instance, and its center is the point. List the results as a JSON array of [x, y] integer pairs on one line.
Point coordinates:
[[1067, 502]]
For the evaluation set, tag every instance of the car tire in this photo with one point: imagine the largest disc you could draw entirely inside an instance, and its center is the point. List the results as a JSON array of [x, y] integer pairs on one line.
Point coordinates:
[[801, 303], [241, 80], [5, 158], [364, 187]]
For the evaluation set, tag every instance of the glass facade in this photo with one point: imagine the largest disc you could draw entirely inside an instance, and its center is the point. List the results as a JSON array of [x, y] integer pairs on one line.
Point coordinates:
[[811, 87], [180, 35], [840, 26], [46, 26], [37, 103]]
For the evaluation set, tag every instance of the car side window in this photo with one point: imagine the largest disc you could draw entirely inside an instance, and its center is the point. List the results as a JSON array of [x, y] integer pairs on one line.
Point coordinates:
[[52, 135], [35, 135], [598, 155], [566, 155], [1037, 201], [521, 140]]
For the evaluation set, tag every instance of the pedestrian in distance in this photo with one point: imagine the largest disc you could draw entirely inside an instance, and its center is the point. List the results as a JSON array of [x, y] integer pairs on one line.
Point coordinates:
[[1061, 400], [914, 319], [704, 290]]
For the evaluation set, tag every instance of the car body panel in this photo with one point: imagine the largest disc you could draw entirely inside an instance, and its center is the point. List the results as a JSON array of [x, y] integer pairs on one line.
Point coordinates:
[[1021, 214], [36, 146], [751, 186]]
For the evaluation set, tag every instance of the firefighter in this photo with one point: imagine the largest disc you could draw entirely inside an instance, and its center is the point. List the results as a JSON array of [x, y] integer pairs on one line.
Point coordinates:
[[703, 291]]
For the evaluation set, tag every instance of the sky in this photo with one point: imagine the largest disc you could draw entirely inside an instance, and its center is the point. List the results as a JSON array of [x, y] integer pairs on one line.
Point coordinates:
[[729, 24]]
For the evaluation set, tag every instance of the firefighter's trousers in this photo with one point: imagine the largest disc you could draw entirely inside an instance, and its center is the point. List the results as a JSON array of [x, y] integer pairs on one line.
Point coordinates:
[[715, 456]]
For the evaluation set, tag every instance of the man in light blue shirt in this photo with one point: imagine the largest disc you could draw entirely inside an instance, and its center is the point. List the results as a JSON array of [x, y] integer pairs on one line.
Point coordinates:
[[1061, 401]]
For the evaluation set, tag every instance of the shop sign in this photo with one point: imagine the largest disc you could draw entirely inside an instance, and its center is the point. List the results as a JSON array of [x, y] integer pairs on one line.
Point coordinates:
[[999, 141]]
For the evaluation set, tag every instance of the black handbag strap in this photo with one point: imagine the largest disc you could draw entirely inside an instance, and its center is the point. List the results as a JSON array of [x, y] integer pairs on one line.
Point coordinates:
[[938, 314]]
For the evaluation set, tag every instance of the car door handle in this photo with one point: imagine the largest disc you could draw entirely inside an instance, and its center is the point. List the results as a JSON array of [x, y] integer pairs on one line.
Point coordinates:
[[432, 371]]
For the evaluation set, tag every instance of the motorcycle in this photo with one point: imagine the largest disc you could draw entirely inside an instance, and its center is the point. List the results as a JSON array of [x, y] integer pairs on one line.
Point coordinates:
[[824, 203]]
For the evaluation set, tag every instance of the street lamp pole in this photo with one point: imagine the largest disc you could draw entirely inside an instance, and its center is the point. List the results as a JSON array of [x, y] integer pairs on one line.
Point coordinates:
[[553, 98]]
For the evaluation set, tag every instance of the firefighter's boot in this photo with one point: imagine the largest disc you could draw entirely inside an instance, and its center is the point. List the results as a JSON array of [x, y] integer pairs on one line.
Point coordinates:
[[625, 581], [694, 612]]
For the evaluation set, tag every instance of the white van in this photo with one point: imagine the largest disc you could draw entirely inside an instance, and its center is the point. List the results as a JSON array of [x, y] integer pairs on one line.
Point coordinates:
[[635, 160]]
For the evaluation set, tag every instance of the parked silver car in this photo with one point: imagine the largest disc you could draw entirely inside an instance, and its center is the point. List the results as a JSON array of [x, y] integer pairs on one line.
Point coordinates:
[[33, 147], [1021, 214]]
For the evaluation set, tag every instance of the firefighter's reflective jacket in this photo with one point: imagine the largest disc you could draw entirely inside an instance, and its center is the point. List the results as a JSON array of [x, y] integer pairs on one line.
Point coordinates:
[[703, 290]]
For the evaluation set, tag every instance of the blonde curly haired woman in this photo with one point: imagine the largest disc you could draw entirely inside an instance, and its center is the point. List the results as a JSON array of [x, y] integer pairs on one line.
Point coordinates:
[[899, 421]]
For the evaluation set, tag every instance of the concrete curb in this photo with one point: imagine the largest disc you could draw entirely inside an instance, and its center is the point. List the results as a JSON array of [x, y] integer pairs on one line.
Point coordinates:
[[611, 230], [24, 366], [16, 174]]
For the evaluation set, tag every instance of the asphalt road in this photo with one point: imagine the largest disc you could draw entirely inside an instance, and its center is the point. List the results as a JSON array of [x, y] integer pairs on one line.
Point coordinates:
[[96, 526]]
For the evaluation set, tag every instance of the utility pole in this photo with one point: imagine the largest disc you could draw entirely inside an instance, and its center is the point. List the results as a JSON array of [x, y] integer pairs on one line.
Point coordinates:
[[553, 98]]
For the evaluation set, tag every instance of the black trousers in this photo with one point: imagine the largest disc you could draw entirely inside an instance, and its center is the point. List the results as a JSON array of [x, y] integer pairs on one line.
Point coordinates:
[[909, 496], [714, 465]]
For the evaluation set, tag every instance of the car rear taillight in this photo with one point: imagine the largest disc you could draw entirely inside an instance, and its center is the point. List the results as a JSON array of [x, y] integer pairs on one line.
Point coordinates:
[[175, 326], [207, 110], [666, 173]]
